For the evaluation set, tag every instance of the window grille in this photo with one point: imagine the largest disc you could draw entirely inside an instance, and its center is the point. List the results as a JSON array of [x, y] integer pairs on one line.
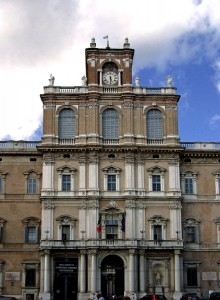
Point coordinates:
[[30, 278], [66, 183], [189, 185], [32, 185], [156, 183], [67, 124], [111, 229], [110, 124], [111, 185], [154, 124]]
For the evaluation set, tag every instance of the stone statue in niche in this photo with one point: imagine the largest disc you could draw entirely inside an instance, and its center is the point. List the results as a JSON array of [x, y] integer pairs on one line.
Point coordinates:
[[158, 278]]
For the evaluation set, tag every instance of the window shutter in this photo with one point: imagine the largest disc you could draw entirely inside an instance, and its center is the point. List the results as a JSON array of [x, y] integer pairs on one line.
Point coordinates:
[[110, 124], [26, 234], [67, 124], [1, 234], [154, 124], [197, 238]]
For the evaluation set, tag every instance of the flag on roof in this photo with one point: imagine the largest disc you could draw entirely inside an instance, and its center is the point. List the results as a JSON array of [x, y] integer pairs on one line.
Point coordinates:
[[105, 37]]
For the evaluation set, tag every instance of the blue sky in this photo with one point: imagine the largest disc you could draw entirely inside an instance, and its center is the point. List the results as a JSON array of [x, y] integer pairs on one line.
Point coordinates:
[[170, 37]]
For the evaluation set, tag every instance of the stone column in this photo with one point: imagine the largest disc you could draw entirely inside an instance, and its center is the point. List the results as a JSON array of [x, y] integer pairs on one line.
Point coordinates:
[[131, 270], [177, 270], [82, 275], [92, 274], [47, 274], [174, 177], [41, 273], [82, 177], [140, 177], [93, 176], [129, 176], [142, 276], [48, 175]]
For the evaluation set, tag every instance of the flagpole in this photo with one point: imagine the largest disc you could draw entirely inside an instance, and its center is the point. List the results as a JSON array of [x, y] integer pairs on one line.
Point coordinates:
[[106, 37]]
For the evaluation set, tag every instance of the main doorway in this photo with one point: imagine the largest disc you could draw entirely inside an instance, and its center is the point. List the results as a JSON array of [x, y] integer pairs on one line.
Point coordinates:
[[66, 279], [112, 276]]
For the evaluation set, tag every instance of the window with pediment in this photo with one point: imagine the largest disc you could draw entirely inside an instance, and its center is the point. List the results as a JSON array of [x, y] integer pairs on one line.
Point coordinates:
[[158, 225], [191, 231], [32, 181], [191, 273], [66, 226], [66, 179], [30, 278], [111, 178], [2, 224], [31, 230], [217, 182], [2, 181], [112, 222], [217, 222], [156, 179], [189, 182]]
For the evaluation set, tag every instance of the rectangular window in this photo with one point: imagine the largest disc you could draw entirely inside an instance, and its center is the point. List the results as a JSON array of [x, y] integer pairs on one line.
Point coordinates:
[[190, 234], [188, 185], [1, 234], [156, 183], [30, 278], [157, 232], [0, 184], [32, 185], [191, 277], [111, 185], [219, 185], [66, 183], [111, 229], [31, 234], [65, 232]]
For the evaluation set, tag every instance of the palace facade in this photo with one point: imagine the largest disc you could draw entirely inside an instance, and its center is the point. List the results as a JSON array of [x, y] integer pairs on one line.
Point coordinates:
[[109, 200]]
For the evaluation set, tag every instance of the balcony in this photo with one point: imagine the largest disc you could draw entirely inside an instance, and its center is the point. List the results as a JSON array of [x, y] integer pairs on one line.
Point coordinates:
[[112, 244]]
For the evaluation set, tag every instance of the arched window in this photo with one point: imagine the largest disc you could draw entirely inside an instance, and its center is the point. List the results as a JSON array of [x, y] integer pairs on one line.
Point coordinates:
[[154, 125], [67, 124], [110, 126]]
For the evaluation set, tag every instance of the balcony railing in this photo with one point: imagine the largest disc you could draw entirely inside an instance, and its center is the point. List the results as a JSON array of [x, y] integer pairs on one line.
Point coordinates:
[[108, 90], [66, 141], [201, 145], [19, 145], [150, 244]]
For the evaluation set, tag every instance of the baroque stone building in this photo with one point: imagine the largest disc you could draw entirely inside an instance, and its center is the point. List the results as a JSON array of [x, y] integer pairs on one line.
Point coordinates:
[[109, 200]]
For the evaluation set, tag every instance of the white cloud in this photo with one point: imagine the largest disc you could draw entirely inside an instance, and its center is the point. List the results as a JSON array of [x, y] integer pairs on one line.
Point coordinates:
[[215, 121], [43, 37]]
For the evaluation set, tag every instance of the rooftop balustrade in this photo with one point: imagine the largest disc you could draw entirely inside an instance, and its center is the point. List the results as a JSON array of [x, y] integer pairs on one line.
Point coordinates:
[[108, 90]]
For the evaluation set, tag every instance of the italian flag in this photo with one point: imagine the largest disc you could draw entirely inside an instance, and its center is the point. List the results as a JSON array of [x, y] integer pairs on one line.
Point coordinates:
[[99, 225]]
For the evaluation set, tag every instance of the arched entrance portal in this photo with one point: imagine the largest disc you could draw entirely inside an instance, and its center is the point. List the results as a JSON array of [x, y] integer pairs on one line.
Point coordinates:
[[112, 276]]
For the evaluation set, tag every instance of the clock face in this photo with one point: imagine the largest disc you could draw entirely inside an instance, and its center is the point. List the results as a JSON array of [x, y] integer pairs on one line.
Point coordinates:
[[110, 77]]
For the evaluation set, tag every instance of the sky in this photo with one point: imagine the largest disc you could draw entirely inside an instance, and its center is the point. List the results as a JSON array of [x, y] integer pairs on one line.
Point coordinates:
[[180, 38]]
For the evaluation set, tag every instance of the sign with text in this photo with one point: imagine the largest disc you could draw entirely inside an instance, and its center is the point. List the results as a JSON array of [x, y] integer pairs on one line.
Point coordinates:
[[67, 268], [209, 276]]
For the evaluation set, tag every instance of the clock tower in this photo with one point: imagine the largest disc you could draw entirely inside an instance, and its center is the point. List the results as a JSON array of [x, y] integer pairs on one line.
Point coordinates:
[[109, 67]]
